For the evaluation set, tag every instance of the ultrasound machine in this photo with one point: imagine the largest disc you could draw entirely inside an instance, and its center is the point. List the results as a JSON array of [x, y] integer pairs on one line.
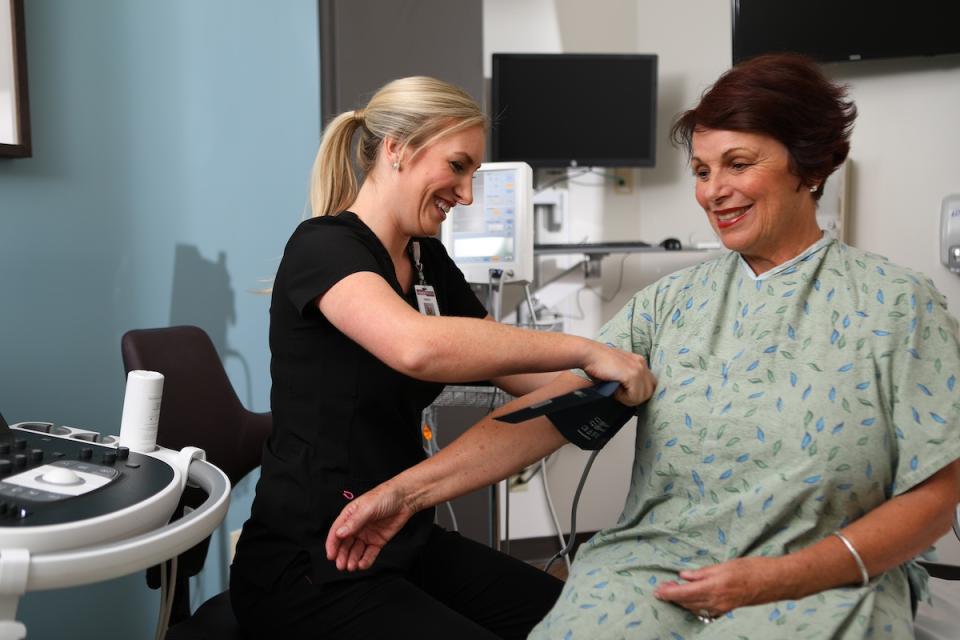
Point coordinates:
[[76, 508]]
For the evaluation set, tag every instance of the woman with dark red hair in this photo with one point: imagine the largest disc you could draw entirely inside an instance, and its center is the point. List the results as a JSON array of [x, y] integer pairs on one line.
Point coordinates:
[[801, 447]]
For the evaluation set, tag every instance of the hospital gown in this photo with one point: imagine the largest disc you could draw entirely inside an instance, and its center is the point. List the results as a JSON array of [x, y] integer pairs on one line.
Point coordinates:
[[787, 406]]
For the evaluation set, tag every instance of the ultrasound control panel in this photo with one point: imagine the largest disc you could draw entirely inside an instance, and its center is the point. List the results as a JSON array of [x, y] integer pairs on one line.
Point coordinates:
[[53, 475]]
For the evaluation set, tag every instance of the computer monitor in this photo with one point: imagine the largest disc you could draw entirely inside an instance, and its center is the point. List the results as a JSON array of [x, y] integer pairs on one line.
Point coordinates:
[[831, 31], [496, 230], [574, 109]]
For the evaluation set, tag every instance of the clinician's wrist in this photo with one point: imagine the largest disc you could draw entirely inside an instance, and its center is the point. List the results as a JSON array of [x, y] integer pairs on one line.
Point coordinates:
[[591, 352]]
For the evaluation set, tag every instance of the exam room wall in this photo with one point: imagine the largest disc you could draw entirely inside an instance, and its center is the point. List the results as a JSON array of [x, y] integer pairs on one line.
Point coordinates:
[[169, 138], [904, 161]]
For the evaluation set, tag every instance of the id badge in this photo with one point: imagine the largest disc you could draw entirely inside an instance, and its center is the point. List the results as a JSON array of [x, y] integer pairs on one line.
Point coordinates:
[[427, 300]]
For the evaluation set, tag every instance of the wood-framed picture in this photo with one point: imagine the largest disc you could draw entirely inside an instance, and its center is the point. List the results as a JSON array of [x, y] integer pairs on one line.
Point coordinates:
[[14, 100]]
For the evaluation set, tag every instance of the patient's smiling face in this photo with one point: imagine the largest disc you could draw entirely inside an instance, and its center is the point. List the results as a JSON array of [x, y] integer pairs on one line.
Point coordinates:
[[756, 205]]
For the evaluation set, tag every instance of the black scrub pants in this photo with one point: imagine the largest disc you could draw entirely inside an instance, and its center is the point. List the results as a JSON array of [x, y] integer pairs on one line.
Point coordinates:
[[458, 589]]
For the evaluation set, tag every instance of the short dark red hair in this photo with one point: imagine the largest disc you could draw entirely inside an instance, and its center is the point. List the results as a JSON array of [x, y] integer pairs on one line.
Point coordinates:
[[784, 96]]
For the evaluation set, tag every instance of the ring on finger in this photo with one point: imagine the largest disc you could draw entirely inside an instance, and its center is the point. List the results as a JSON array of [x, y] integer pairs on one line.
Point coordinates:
[[704, 616]]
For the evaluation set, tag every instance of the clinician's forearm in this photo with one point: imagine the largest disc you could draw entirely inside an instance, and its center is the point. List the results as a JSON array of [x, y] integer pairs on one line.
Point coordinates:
[[438, 350], [453, 349], [886, 537], [449, 348]]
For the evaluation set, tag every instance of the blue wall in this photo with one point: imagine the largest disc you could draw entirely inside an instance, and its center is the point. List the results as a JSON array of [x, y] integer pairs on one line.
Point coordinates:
[[172, 143]]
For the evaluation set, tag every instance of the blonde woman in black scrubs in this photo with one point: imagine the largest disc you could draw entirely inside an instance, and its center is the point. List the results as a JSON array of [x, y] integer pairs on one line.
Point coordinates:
[[355, 360]]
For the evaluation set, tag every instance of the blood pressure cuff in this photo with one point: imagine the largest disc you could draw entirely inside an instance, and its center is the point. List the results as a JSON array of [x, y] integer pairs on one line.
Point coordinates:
[[588, 417]]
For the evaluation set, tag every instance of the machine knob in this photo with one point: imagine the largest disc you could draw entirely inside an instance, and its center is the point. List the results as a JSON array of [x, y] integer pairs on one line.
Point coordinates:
[[109, 457], [5, 467], [19, 443], [123, 453], [20, 460], [36, 455], [4, 448], [19, 512], [86, 453], [61, 476]]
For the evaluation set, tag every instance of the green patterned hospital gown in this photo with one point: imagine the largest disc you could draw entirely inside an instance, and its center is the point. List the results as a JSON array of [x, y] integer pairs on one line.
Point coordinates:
[[787, 406]]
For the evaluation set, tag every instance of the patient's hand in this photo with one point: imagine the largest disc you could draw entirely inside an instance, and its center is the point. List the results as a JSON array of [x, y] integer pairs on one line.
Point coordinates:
[[365, 526], [715, 590]]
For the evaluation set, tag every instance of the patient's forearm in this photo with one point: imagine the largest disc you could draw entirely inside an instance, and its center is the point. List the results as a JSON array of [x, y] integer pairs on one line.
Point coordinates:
[[887, 536], [523, 383], [488, 452]]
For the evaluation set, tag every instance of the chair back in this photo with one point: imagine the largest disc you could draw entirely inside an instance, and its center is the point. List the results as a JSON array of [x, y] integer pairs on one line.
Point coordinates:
[[199, 406]]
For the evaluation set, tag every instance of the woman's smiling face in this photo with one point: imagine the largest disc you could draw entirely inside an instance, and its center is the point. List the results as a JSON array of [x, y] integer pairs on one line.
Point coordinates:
[[754, 203], [440, 176]]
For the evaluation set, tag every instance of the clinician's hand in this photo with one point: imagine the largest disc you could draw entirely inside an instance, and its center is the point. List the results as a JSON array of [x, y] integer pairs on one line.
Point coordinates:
[[629, 369], [715, 590], [365, 526]]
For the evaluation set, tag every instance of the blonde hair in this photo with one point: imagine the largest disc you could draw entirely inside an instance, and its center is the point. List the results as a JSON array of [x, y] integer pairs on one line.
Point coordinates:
[[414, 111]]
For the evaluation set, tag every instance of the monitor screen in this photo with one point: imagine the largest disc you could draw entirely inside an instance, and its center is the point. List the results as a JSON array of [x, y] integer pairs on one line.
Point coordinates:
[[832, 31], [561, 110], [495, 231]]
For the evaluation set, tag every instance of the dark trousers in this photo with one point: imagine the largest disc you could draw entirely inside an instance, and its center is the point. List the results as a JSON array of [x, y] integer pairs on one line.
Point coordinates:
[[458, 589]]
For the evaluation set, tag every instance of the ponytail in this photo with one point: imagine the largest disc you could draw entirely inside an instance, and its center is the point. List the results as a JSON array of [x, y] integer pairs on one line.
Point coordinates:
[[333, 181]]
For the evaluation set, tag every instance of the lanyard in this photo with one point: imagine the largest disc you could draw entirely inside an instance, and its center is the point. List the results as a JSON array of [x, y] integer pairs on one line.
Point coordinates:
[[415, 251], [426, 296]]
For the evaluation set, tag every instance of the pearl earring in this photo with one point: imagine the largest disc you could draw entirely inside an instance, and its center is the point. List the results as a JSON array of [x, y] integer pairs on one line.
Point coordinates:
[[396, 165]]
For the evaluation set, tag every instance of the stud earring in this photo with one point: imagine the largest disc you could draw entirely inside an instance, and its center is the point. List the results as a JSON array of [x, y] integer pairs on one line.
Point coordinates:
[[396, 165], [814, 188]]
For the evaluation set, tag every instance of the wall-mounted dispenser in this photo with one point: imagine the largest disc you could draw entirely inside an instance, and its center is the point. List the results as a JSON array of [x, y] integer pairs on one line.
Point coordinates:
[[950, 232]]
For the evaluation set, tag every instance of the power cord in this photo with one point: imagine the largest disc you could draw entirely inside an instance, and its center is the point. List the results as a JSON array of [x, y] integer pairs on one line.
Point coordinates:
[[592, 290], [607, 177], [430, 448], [542, 467], [571, 178], [168, 586], [553, 512], [563, 178]]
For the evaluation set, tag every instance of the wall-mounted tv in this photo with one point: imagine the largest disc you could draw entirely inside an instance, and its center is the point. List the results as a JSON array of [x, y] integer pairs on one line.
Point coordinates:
[[565, 109], [839, 30]]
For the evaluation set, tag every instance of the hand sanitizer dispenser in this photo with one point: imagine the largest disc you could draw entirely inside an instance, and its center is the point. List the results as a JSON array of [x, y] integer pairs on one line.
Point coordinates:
[[950, 233]]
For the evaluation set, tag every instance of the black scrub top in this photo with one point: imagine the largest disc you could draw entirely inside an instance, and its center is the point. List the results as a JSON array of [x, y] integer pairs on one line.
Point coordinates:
[[343, 421]]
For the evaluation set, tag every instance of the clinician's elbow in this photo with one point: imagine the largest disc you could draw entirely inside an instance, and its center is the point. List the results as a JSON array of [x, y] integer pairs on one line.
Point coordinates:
[[416, 360]]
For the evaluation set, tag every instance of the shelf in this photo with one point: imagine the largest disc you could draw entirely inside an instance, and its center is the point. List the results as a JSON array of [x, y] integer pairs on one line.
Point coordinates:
[[472, 396], [606, 248]]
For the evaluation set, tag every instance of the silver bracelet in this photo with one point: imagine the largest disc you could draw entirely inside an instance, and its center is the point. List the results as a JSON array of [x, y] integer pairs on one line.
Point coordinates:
[[856, 556]]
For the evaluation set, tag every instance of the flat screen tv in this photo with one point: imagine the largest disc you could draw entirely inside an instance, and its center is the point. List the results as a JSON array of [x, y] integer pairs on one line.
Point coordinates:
[[839, 30], [568, 110]]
